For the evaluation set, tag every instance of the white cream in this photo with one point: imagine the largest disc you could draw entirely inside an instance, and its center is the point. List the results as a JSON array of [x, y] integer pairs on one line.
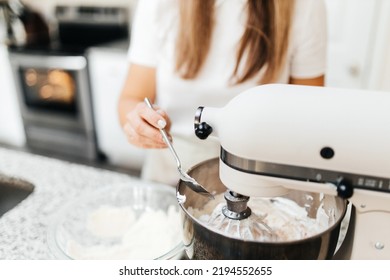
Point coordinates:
[[273, 220]]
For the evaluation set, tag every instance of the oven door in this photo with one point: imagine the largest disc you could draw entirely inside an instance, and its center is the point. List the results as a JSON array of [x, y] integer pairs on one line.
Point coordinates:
[[50, 90], [55, 102]]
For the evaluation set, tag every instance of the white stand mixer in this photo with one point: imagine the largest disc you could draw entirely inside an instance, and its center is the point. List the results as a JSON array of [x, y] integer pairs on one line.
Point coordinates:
[[333, 141]]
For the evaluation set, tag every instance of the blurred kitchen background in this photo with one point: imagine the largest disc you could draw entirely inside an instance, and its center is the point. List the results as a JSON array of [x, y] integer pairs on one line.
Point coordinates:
[[60, 79]]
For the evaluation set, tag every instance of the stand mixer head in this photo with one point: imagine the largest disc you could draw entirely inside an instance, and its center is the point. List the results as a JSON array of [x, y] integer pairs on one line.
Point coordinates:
[[275, 138]]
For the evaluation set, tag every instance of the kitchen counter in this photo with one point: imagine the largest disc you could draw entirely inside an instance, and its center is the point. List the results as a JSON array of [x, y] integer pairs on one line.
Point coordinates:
[[23, 229]]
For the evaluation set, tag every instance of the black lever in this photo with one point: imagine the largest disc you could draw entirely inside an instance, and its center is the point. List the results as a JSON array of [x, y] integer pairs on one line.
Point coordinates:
[[203, 130]]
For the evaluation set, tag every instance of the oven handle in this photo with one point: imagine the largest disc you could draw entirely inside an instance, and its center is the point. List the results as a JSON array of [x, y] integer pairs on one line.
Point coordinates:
[[48, 61]]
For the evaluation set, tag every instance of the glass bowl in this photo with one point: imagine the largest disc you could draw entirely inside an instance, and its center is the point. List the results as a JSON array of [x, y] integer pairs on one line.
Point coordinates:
[[136, 220]]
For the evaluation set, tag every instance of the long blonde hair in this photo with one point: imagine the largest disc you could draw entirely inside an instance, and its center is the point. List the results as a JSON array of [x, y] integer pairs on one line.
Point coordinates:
[[263, 44]]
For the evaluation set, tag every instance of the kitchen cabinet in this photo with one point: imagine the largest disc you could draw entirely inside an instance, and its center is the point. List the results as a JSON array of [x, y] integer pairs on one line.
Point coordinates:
[[11, 125], [359, 44], [108, 69], [380, 62]]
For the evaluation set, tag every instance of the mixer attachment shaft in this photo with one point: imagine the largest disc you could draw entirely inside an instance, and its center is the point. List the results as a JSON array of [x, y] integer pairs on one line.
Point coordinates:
[[236, 206]]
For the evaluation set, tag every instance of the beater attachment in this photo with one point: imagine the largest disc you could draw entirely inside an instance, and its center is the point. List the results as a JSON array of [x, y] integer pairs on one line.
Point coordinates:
[[235, 219]]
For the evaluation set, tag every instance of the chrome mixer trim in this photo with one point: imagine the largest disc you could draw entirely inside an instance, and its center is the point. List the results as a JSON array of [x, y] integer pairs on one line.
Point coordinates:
[[360, 181], [198, 116]]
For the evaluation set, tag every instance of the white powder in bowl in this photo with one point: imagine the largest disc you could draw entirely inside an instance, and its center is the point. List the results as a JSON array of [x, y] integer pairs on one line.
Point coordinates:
[[108, 221], [151, 235]]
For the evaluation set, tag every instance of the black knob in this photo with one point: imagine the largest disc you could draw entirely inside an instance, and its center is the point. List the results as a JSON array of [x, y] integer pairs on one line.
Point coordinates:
[[203, 130], [327, 152], [344, 189]]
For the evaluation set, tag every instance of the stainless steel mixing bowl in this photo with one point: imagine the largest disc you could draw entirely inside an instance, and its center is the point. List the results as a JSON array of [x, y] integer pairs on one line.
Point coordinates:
[[204, 242]]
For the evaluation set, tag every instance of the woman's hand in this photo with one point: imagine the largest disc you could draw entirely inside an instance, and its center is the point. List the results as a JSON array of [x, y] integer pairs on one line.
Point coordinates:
[[142, 126], [140, 123]]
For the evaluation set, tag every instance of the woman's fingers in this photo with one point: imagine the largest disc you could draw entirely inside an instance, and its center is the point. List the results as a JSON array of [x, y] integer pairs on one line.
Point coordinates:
[[143, 124], [141, 141], [154, 117]]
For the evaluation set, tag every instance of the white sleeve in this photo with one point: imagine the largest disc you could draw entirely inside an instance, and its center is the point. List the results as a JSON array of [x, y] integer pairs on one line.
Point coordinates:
[[309, 39], [143, 37]]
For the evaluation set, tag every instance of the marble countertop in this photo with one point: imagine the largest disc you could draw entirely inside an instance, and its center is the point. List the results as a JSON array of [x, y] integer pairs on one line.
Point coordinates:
[[23, 229]]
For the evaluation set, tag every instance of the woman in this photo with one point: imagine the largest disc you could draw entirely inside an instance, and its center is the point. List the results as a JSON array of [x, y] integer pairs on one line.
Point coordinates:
[[191, 53]]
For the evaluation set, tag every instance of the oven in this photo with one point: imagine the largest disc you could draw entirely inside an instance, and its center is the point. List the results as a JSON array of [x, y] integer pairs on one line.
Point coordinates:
[[55, 102], [53, 84]]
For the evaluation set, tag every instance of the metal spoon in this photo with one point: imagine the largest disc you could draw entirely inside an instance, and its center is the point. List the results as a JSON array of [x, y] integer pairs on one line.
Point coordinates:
[[187, 179]]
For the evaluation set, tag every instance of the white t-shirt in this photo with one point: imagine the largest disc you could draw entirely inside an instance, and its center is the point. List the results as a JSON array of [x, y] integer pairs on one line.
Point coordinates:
[[153, 44]]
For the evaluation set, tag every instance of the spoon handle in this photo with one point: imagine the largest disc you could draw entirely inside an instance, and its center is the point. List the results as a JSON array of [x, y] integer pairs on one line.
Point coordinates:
[[166, 139]]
